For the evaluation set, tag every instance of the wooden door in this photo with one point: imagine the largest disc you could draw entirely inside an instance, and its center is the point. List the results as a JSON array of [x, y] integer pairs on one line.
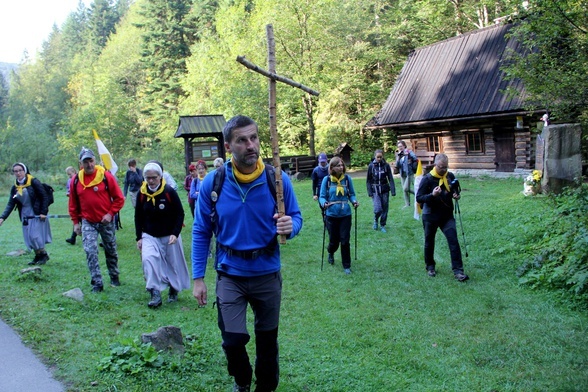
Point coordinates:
[[504, 142]]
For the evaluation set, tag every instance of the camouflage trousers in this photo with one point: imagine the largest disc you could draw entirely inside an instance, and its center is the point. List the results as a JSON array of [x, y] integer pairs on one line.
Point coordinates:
[[107, 232]]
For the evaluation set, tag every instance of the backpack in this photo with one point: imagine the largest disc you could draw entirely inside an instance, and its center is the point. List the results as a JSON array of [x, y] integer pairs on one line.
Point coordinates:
[[49, 191], [217, 186]]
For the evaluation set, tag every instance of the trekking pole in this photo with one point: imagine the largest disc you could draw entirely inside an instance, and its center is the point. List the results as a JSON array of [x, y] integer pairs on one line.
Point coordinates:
[[465, 244], [356, 233], [49, 216], [324, 230]]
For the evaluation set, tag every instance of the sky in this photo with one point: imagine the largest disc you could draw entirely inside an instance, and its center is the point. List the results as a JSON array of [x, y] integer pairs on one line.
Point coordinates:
[[25, 24]]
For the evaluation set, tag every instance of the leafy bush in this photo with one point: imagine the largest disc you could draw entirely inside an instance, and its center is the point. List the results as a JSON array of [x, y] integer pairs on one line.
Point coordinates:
[[131, 358], [561, 261]]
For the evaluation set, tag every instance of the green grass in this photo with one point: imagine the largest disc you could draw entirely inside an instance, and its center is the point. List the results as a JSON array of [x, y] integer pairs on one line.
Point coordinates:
[[386, 327]]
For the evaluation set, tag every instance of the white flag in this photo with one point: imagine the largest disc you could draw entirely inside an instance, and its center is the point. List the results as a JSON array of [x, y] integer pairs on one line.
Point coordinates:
[[107, 161]]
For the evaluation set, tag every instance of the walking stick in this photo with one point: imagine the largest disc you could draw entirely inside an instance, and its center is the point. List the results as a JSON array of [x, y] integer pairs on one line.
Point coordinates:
[[465, 244], [324, 230], [355, 233]]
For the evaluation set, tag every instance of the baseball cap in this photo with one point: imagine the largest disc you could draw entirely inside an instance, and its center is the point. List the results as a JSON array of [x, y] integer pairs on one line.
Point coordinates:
[[322, 157], [86, 153], [191, 167]]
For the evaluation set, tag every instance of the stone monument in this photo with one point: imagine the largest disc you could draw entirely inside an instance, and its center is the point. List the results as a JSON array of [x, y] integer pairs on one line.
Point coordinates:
[[562, 157]]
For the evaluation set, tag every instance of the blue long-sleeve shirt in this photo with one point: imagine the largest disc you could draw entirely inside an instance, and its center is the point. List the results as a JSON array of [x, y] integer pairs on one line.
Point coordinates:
[[339, 206], [244, 222]]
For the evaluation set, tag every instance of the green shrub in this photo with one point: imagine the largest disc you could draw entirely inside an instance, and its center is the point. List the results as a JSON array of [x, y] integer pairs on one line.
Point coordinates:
[[131, 357], [561, 261]]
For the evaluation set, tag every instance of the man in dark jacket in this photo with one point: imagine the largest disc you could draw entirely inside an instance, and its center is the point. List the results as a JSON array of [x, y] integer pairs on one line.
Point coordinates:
[[133, 181], [436, 194], [318, 173], [379, 183]]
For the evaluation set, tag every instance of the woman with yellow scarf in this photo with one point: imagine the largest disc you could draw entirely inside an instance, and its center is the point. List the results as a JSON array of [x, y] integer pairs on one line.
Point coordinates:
[[159, 218], [29, 197], [336, 193]]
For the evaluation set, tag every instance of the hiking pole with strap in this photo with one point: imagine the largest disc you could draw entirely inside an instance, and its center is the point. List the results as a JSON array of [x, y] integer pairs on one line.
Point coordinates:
[[25, 219], [324, 231], [355, 232], [48, 216], [465, 244]]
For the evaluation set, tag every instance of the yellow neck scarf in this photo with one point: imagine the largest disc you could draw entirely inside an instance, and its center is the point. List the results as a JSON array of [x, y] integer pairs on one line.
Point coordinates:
[[247, 178], [201, 178], [442, 179], [97, 180], [19, 187], [151, 196], [340, 190]]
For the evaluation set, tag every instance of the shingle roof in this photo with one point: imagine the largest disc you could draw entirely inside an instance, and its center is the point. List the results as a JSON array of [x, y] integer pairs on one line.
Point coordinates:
[[458, 77], [200, 125]]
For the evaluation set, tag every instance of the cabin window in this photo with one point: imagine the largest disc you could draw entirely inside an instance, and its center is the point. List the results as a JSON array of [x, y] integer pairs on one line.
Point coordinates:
[[434, 143], [474, 142]]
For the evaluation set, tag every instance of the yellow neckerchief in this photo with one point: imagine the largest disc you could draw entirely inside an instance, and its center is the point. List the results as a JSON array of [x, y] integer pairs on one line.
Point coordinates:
[[200, 178], [97, 180], [340, 190], [19, 187], [442, 179], [151, 196], [247, 178]]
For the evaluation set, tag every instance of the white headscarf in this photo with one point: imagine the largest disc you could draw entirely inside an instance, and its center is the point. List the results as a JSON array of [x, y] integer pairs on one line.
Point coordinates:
[[151, 166]]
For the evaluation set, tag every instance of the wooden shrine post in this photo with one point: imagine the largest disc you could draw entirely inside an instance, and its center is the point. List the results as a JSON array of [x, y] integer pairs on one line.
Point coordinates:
[[272, 76]]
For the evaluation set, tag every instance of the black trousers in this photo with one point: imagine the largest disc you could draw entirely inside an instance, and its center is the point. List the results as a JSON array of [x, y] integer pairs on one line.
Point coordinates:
[[447, 225], [340, 233]]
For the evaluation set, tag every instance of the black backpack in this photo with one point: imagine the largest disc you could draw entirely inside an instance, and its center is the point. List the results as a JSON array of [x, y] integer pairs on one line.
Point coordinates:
[[49, 191], [217, 186]]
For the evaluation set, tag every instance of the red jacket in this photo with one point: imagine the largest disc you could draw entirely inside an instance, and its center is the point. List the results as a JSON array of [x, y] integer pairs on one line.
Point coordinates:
[[93, 203]]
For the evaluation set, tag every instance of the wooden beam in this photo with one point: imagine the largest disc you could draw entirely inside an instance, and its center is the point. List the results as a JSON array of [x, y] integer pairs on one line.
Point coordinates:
[[274, 76]]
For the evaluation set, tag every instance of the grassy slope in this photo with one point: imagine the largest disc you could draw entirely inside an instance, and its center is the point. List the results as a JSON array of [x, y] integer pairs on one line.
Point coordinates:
[[386, 327]]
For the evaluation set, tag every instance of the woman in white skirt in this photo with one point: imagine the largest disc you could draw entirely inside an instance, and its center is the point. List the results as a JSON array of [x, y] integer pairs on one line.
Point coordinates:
[[159, 217], [29, 197]]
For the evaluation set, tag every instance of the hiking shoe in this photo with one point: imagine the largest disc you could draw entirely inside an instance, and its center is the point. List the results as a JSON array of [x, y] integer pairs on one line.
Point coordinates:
[[237, 388], [347, 271], [331, 259], [383, 229], [71, 240], [172, 296], [375, 226], [43, 258], [97, 289], [114, 281], [432, 273], [35, 261], [155, 299], [461, 277]]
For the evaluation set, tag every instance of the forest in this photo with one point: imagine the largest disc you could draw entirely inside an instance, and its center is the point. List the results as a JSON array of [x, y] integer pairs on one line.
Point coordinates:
[[129, 69]]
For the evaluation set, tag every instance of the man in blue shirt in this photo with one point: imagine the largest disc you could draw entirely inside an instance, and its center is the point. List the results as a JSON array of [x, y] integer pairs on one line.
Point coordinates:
[[246, 225]]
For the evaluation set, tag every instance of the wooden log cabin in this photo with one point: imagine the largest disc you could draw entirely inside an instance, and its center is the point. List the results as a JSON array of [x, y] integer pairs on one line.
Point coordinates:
[[451, 97]]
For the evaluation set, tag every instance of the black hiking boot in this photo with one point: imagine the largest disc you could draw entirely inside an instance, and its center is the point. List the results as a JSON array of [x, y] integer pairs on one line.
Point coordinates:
[[172, 295], [72, 240], [155, 298]]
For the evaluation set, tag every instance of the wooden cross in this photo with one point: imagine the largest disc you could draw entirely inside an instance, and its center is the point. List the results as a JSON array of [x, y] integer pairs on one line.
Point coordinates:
[[273, 77]]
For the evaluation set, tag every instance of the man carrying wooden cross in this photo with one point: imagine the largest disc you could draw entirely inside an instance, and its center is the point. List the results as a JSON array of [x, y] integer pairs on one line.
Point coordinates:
[[244, 218]]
